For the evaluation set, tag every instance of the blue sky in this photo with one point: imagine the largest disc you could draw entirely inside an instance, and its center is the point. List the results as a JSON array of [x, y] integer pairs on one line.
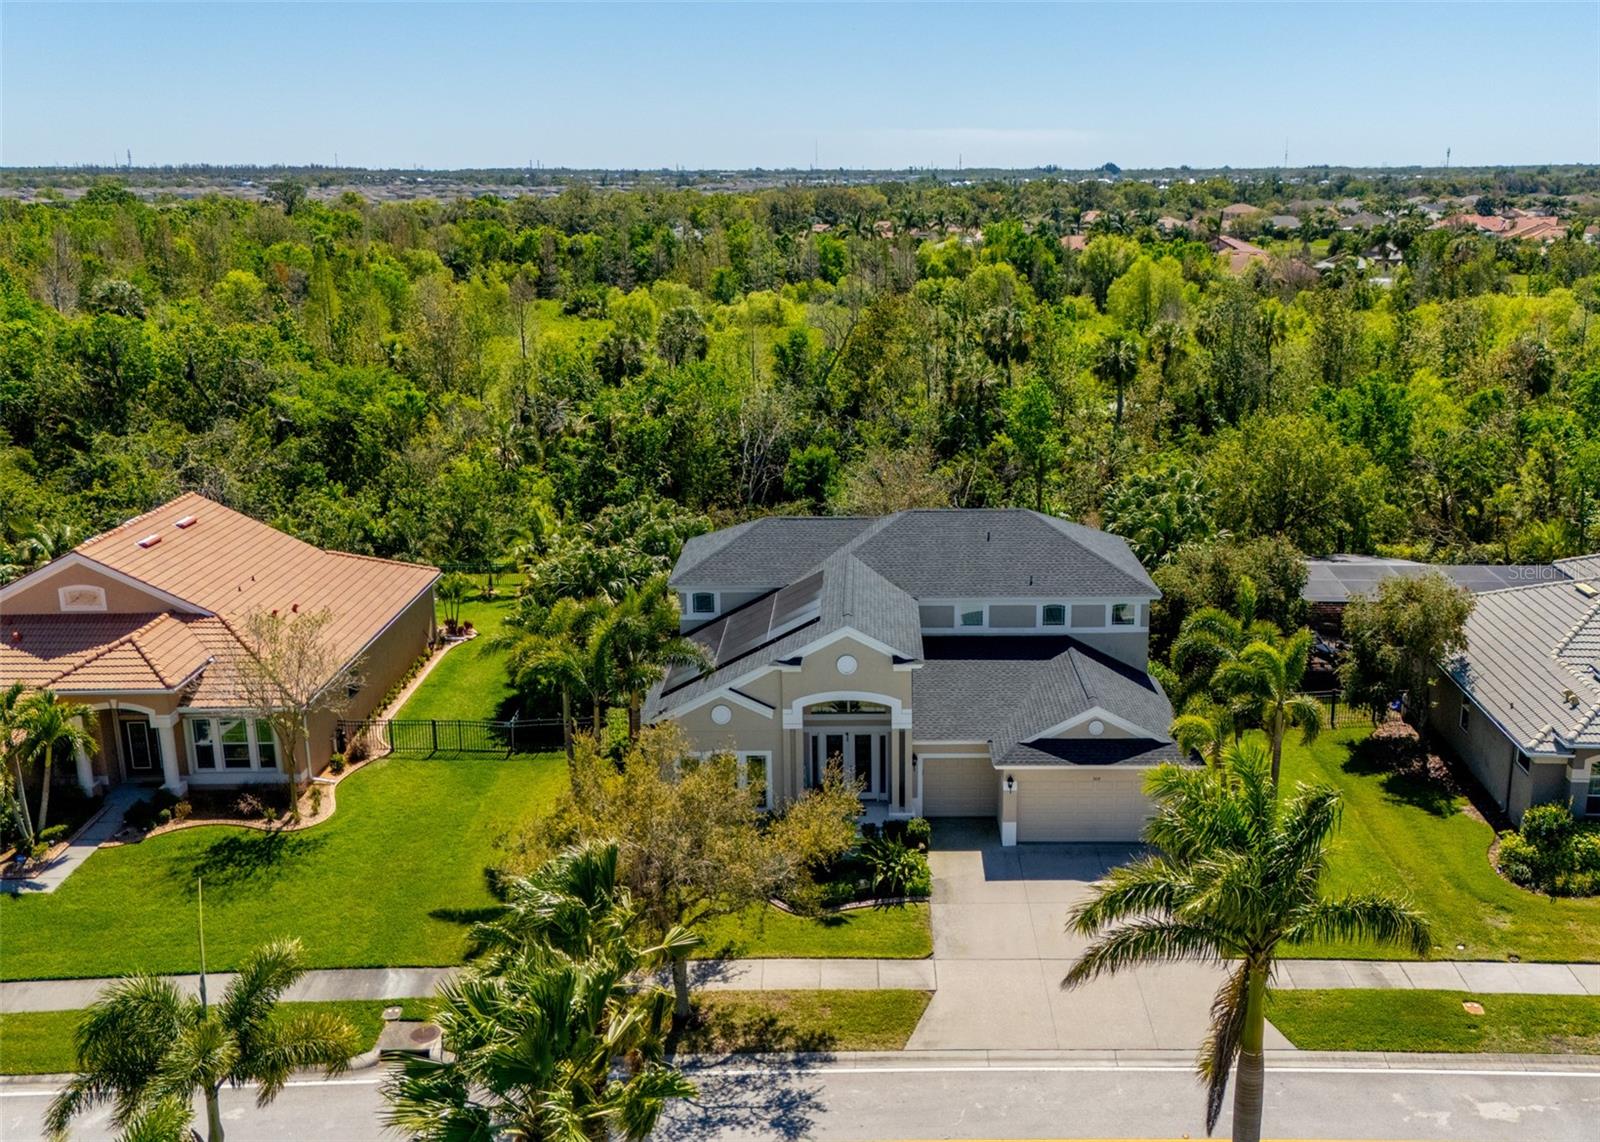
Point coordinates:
[[737, 85]]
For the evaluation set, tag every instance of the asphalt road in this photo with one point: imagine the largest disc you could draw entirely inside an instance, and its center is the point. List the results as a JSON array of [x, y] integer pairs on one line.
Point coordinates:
[[932, 1100]]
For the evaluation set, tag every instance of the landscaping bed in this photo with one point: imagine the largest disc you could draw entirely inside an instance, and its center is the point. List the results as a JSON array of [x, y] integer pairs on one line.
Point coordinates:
[[1409, 831], [732, 1022], [40, 1042], [1358, 1019]]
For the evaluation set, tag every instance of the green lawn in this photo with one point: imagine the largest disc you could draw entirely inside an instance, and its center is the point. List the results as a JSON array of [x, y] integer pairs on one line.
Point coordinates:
[[393, 878], [40, 1042], [899, 933], [1361, 1020], [1404, 836], [742, 1021], [470, 682]]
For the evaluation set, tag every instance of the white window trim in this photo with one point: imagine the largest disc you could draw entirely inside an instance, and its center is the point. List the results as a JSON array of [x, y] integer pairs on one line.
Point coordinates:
[[219, 768], [744, 756], [96, 597], [1107, 606], [1464, 718], [716, 604]]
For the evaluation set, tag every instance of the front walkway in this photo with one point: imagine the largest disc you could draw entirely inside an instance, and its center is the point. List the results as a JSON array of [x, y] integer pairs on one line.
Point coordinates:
[[100, 829]]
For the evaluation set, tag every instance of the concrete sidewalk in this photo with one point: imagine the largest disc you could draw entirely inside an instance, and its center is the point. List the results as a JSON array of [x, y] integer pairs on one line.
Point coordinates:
[[419, 983], [100, 829], [1441, 975]]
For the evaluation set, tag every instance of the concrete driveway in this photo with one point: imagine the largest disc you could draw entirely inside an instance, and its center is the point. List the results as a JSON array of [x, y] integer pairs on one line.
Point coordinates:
[[1000, 950]]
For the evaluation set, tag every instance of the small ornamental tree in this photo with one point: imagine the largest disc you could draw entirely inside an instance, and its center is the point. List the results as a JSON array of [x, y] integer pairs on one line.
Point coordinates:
[[1398, 640], [292, 673], [693, 840]]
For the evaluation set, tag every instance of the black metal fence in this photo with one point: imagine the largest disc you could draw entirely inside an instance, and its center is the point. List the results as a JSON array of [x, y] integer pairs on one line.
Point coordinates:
[[449, 737], [1339, 712]]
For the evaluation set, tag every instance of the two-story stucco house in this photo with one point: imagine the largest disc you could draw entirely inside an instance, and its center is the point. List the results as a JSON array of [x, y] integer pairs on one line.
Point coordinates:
[[956, 663], [142, 623], [1521, 705]]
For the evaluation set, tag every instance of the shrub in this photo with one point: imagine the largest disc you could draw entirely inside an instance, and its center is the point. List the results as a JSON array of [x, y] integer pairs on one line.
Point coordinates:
[[919, 833], [316, 800], [896, 870], [336, 763], [1552, 853], [182, 810], [163, 817], [249, 805], [140, 815], [53, 835]]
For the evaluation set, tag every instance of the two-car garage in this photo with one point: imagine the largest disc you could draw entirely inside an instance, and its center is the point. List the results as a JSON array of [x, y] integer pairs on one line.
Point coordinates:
[[1076, 803], [1080, 804]]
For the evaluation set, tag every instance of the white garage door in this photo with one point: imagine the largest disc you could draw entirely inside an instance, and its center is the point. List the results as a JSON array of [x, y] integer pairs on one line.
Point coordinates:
[[959, 787], [1080, 805]]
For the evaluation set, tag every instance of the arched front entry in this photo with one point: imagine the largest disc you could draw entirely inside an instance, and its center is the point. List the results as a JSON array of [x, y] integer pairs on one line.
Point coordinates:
[[868, 734]]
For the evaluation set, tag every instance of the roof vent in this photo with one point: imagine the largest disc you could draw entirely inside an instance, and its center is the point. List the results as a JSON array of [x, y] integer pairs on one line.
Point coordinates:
[[150, 541], [186, 521], [1570, 697], [1587, 590], [16, 636]]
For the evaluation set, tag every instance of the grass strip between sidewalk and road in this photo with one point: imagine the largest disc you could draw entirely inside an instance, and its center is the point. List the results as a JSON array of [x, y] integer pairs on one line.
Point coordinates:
[[730, 1022], [1358, 1019], [40, 1042]]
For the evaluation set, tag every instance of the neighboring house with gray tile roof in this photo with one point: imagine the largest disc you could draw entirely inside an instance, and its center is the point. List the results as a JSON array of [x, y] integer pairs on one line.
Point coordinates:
[[1521, 705], [964, 662]]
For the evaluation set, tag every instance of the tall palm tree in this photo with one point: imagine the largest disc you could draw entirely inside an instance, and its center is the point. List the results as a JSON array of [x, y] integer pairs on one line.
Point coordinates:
[[562, 651], [48, 724], [641, 643], [1211, 636], [551, 1037], [147, 1049], [1118, 364], [11, 699], [1264, 682], [1234, 880]]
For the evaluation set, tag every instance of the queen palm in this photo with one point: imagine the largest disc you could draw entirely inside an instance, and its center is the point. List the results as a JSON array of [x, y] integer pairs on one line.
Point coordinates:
[[47, 725], [1263, 684], [641, 642], [1212, 636], [562, 652], [10, 709], [1234, 880], [147, 1049]]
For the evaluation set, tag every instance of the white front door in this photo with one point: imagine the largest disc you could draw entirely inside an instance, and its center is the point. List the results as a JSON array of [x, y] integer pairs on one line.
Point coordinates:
[[863, 754]]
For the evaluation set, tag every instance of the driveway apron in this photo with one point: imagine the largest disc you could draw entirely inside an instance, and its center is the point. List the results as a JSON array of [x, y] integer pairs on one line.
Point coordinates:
[[1001, 949]]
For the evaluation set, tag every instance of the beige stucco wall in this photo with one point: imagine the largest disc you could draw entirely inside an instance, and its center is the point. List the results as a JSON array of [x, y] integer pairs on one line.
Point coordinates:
[[1491, 757], [874, 679], [42, 597]]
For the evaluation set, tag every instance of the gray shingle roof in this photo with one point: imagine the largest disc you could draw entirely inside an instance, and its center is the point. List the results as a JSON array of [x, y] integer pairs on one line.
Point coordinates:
[[934, 553], [1076, 751], [1526, 648], [1003, 690], [853, 596]]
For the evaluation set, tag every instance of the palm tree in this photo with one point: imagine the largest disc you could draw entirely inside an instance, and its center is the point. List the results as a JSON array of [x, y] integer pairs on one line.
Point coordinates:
[[551, 1036], [147, 1049], [47, 724], [1210, 637], [1118, 363], [641, 643], [1235, 879], [43, 543], [11, 699], [1264, 682], [561, 651]]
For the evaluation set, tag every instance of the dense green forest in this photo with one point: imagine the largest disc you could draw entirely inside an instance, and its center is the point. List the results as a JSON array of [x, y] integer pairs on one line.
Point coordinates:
[[460, 382]]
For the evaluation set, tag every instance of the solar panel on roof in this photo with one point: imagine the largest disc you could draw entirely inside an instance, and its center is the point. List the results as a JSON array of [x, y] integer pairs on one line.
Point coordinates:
[[791, 602], [747, 629]]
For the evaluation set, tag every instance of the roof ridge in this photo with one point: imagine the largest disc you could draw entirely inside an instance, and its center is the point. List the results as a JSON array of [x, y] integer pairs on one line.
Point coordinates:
[[131, 520], [127, 639], [376, 558]]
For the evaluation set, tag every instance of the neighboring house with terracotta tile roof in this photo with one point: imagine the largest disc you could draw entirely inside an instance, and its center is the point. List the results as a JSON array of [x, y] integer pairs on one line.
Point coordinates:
[[1239, 254], [142, 624]]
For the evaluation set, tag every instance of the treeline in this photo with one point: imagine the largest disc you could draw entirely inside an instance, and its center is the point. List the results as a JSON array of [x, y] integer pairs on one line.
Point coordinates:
[[457, 382]]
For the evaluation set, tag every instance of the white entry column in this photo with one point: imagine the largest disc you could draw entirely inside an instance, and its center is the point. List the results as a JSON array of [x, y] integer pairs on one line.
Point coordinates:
[[85, 769], [170, 777]]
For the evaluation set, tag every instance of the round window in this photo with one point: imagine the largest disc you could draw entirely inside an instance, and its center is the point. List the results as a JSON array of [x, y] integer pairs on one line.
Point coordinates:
[[722, 715], [1097, 727], [846, 664]]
